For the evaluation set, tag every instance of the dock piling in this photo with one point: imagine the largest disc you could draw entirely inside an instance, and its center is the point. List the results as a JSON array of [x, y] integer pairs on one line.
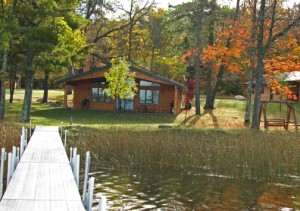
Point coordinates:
[[102, 203], [90, 194], [86, 173], [3, 158], [65, 140], [30, 128], [9, 166], [77, 170]]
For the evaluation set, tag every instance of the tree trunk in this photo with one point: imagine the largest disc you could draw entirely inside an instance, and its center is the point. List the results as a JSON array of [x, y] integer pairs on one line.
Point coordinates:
[[210, 99], [258, 89], [69, 88], [46, 86], [130, 43], [152, 57], [13, 77], [252, 51], [200, 16], [260, 67], [2, 96], [29, 77], [250, 89], [209, 103]]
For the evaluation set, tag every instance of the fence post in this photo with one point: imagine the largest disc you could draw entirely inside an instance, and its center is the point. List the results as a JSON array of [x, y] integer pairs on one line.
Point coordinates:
[[90, 193], [86, 173], [102, 203], [8, 169], [65, 141], [3, 158]]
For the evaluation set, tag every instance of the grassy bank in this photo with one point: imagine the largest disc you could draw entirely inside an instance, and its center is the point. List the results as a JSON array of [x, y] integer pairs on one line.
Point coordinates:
[[215, 142]]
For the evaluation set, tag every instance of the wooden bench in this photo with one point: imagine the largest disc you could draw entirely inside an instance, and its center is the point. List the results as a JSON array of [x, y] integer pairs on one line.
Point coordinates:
[[276, 122]]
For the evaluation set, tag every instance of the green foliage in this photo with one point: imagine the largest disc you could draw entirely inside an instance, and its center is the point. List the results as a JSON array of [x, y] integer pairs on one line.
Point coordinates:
[[121, 82]]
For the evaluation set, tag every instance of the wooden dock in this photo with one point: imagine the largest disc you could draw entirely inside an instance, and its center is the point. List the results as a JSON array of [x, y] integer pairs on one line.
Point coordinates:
[[43, 179]]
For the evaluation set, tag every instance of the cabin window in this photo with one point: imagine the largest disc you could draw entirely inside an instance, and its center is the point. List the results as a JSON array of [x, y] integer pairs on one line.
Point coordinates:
[[149, 96], [99, 96], [148, 83]]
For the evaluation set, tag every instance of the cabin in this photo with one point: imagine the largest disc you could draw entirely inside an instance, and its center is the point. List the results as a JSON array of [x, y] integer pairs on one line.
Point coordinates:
[[155, 94], [293, 81]]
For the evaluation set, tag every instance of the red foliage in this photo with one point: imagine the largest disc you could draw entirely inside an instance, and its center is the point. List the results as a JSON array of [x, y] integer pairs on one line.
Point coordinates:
[[189, 90]]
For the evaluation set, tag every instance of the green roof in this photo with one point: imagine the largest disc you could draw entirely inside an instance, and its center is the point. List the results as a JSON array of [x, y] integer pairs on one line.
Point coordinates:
[[131, 67], [81, 74]]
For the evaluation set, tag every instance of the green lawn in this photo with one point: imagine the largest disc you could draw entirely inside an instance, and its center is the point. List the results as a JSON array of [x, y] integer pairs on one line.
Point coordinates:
[[229, 114]]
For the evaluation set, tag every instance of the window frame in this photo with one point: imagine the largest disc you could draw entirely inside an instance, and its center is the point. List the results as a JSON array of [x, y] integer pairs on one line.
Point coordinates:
[[104, 98], [144, 100]]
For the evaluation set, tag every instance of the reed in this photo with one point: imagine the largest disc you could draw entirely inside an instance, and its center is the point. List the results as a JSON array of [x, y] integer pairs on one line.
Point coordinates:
[[10, 133], [241, 154]]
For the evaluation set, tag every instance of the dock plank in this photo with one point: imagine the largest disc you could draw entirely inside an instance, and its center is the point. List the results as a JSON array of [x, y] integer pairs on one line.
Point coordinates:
[[43, 180]]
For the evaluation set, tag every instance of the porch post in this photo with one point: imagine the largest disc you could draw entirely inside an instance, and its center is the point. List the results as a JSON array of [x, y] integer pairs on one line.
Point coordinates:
[[177, 100], [65, 96]]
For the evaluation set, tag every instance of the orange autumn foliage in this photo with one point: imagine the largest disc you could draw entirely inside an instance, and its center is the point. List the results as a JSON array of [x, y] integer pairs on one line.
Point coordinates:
[[283, 56]]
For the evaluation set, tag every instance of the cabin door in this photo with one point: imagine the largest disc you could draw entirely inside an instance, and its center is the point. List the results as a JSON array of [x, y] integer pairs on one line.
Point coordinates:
[[125, 104]]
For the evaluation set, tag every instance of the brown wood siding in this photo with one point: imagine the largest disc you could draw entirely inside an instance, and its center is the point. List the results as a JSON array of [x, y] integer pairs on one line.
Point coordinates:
[[83, 90], [266, 95], [166, 97]]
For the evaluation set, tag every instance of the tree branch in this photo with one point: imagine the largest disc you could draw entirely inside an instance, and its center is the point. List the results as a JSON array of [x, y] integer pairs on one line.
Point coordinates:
[[283, 32]]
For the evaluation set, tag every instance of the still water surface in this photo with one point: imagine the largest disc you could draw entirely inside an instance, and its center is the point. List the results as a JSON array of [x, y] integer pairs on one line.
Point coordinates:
[[174, 190]]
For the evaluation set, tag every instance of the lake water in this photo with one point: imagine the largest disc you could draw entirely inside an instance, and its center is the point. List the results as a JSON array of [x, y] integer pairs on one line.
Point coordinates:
[[174, 190]]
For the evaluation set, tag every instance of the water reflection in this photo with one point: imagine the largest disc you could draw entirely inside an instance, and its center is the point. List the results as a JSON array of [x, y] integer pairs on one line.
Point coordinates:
[[173, 190]]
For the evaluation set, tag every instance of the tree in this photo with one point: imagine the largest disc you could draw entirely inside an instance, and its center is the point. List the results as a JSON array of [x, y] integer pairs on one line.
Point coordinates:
[[37, 20], [121, 82], [251, 50], [7, 23], [266, 26], [211, 95]]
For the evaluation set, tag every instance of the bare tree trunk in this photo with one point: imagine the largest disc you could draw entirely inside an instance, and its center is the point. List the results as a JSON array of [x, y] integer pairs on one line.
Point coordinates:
[[152, 57], [46, 86], [13, 77], [252, 51], [209, 103], [3, 88], [260, 67], [69, 88], [29, 77], [200, 17], [250, 90], [130, 43]]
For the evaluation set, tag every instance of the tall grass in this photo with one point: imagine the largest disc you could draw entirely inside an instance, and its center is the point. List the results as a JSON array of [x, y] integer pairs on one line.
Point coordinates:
[[10, 133], [244, 154]]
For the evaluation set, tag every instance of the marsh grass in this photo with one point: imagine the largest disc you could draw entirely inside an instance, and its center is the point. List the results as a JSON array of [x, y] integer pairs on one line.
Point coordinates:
[[273, 157], [10, 133]]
